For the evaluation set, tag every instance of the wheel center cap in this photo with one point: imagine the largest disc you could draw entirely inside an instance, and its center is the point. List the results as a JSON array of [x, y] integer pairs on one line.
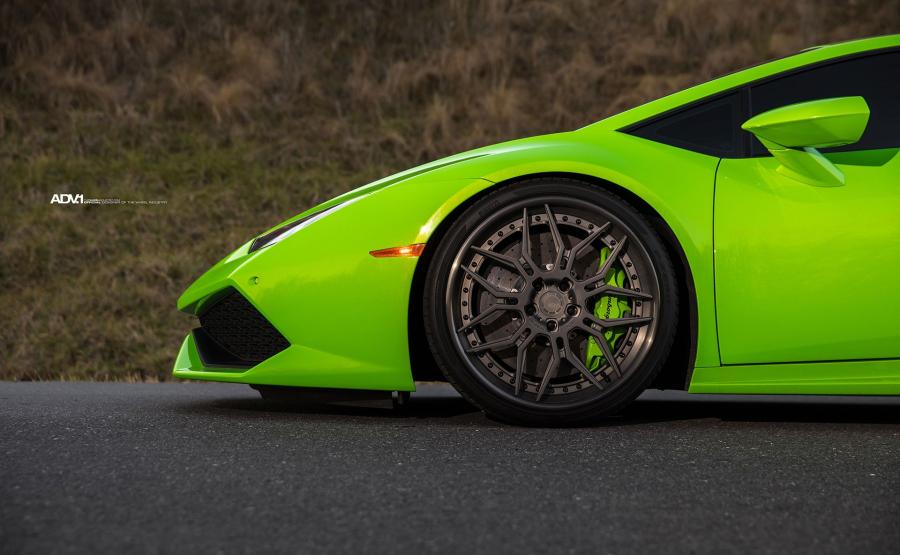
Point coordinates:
[[551, 304]]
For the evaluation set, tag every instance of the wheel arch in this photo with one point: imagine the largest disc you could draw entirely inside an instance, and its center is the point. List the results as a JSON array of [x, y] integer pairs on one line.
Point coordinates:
[[674, 375]]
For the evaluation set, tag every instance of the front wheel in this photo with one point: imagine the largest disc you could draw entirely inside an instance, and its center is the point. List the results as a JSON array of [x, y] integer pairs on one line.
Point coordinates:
[[550, 302]]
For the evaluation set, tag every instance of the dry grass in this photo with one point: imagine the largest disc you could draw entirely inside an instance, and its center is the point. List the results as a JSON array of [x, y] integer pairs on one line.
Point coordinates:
[[240, 113]]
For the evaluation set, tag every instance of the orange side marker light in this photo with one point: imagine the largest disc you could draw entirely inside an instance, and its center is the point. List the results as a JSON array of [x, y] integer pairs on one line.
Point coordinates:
[[407, 251]]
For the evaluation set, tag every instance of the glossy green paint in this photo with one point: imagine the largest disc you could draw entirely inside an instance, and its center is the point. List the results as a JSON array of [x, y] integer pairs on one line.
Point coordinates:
[[874, 377], [793, 134], [345, 313], [807, 273], [816, 124]]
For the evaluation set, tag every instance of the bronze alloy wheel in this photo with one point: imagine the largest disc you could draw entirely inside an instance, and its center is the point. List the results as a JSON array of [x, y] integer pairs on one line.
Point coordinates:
[[551, 301]]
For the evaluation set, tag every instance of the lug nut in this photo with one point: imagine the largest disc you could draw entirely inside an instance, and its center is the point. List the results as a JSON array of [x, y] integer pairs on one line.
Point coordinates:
[[551, 325]]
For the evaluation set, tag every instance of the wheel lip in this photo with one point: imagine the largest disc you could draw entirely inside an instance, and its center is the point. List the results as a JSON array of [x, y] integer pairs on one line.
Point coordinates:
[[488, 381]]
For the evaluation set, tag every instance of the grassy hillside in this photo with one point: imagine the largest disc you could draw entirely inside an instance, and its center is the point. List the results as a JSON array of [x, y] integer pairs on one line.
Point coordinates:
[[240, 113]]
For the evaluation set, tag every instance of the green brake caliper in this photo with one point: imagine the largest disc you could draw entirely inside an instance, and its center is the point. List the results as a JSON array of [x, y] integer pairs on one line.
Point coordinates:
[[607, 307]]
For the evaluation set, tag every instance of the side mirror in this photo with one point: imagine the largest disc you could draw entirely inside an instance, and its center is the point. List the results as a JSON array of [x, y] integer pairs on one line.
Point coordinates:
[[794, 133]]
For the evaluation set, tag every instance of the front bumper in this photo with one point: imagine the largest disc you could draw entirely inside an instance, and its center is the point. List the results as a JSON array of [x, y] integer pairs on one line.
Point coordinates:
[[342, 313], [300, 351], [285, 369]]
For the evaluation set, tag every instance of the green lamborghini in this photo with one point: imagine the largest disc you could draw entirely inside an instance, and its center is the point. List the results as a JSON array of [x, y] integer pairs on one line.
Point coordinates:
[[740, 236]]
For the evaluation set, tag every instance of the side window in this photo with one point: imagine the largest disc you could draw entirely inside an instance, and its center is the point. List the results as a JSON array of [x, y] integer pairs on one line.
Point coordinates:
[[709, 128], [876, 78]]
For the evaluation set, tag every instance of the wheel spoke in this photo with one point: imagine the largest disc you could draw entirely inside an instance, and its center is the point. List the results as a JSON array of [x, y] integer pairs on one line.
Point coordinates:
[[503, 259], [609, 356], [487, 313], [504, 343], [490, 287], [619, 292], [617, 322], [573, 252], [575, 361], [526, 239], [557, 238], [604, 346], [604, 269], [520, 361], [552, 369]]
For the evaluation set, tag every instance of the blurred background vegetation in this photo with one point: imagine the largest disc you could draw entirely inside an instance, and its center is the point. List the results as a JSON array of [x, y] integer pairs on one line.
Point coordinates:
[[240, 113]]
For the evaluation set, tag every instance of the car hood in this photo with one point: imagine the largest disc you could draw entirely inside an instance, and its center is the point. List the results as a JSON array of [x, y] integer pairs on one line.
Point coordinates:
[[528, 143]]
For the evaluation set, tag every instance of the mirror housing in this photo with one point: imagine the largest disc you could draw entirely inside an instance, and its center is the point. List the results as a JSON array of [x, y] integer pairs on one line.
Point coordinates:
[[793, 134]]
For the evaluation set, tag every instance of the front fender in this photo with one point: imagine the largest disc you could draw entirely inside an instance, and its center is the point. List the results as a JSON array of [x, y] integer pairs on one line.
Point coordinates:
[[678, 184]]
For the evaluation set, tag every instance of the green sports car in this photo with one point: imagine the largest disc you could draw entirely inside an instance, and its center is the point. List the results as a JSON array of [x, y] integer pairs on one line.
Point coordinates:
[[740, 236]]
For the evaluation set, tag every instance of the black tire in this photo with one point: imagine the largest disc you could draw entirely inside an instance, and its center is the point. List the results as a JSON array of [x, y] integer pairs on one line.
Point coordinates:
[[513, 329]]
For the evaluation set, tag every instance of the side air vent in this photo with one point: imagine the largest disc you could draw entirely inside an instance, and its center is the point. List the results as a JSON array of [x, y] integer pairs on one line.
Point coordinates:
[[233, 333]]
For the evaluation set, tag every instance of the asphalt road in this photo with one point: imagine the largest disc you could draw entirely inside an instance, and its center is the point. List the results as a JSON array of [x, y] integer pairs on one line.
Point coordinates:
[[88, 467]]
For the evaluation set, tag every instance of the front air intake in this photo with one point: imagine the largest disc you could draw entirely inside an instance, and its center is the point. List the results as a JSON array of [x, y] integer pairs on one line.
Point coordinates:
[[233, 333]]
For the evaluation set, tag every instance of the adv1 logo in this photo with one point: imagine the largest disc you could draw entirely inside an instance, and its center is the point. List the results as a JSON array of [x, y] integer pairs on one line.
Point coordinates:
[[66, 198]]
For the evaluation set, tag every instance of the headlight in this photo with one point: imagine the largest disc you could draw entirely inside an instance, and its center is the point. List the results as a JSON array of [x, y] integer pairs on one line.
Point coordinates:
[[287, 230]]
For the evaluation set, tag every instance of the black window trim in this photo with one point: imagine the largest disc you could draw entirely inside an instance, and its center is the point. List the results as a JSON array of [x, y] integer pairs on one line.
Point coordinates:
[[744, 91]]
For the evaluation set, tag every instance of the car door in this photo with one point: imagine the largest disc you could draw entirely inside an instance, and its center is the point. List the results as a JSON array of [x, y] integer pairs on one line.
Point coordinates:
[[805, 272]]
